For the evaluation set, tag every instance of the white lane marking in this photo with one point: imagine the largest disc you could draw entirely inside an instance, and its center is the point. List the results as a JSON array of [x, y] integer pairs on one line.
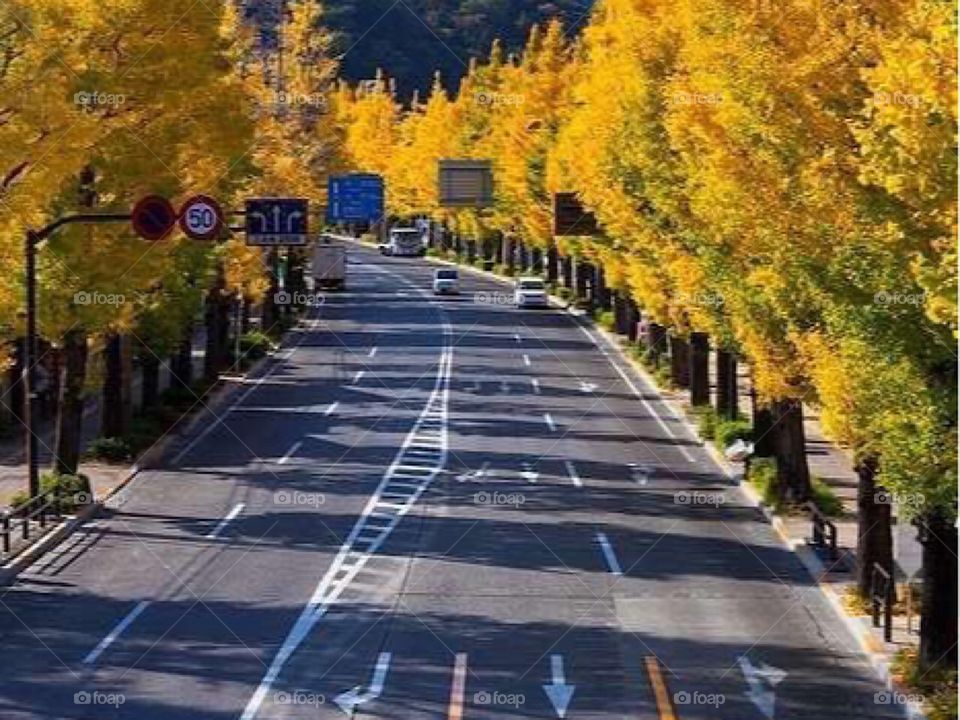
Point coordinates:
[[433, 418], [505, 387], [458, 688], [373, 352], [290, 453], [230, 516], [586, 387], [536, 386], [332, 408], [359, 376], [516, 336], [636, 391], [526, 360], [548, 419], [612, 563], [572, 472], [349, 700], [474, 474], [116, 632]]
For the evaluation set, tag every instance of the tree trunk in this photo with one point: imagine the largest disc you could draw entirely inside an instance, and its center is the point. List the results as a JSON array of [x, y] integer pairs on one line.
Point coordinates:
[[874, 539], [580, 272], [181, 366], [601, 293], [150, 380], [217, 319], [620, 314], [508, 253], [524, 257], [553, 274], [270, 311], [657, 341], [633, 317], [679, 362], [793, 474], [699, 369], [296, 283], [498, 251], [938, 616], [566, 265], [70, 418], [536, 261], [726, 385], [112, 419], [471, 251]]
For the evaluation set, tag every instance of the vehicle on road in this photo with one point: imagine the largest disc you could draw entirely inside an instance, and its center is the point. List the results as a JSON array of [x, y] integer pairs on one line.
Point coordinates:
[[446, 282], [329, 264], [530, 292], [404, 242]]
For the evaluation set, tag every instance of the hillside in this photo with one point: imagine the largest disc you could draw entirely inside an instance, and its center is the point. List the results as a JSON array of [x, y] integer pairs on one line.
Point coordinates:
[[413, 38]]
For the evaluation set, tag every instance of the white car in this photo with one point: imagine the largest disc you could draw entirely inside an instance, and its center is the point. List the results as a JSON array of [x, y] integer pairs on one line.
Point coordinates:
[[530, 292], [446, 282]]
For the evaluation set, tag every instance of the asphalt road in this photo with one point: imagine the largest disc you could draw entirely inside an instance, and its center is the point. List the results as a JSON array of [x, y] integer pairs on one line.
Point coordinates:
[[431, 508]]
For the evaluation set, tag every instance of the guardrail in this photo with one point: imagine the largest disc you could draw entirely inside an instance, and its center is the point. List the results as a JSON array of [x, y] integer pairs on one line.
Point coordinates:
[[30, 517], [882, 596], [824, 531]]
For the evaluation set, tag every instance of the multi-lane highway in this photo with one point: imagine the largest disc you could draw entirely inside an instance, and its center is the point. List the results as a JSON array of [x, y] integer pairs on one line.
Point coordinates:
[[431, 508]]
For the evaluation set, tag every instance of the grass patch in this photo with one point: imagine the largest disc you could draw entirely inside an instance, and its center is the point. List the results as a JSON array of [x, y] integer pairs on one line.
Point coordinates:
[[607, 320], [825, 498], [762, 475], [727, 432], [706, 420], [937, 687], [110, 449]]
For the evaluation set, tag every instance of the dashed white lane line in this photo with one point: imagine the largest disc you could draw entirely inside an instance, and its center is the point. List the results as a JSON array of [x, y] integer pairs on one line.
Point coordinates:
[[636, 391], [516, 336], [228, 518], [612, 563], [373, 352], [458, 688], [572, 472], [116, 632], [331, 408], [548, 419], [359, 376], [536, 385], [290, 453], [526, 360]]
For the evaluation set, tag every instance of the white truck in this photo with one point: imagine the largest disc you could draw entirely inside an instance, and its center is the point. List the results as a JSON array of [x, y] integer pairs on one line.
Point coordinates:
[[329, 265], [404, 242]]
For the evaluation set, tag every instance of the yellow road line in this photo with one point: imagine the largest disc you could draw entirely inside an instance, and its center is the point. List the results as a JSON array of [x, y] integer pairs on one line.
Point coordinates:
[[660, 692], [455, 712]]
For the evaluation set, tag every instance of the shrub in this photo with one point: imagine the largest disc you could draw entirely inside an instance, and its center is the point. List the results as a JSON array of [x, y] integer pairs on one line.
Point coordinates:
[[938, 687], [370, 238], [706, 420], [565, 293], [825, 498], [607, 320], [74, 490], [727, 432], [111, 449], [255, 345], [663, 377], [762, 474]]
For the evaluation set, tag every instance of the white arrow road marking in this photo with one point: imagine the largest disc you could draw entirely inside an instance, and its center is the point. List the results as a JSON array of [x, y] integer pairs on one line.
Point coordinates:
[[526, 360], [640, 473], [762, 679], [116, 632], [528, 473], [290, 453], [474, 474], [536, 386], [349, 700], [572, 472], [359, 376], [548, 419], [373, 352], [586, 387], [558, 691], [331, 409], [237, 509], [516, 336], [612, 563]]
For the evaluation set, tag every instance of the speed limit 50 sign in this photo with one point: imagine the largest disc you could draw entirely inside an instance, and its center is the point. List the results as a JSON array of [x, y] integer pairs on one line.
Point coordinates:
[[201, 218]]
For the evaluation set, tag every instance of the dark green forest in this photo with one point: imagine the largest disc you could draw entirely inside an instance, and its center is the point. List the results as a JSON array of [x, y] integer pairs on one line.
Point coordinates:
[[411, 39]]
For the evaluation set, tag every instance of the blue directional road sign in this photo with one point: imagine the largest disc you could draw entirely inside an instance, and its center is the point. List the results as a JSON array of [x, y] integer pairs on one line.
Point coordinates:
[[355, 198], [277, 221]]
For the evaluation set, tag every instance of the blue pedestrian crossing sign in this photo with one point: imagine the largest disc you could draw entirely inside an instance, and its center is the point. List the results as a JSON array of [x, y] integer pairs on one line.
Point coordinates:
[[355, 198]]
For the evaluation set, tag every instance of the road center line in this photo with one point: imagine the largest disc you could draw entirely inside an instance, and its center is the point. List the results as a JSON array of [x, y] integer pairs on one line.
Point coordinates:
[[290, 453], [660, 692], [526, 360], [237, 509], [457, 688], [116, 632], [536, 385], [612, 563], [572, 472], [548, 419]]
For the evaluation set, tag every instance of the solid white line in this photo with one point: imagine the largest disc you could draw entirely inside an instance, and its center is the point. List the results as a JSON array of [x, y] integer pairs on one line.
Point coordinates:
[[526, 360], [636, 391], [548, 419], [237, 509], [457, 688], [359, 376], [332, 408], [373, 352], [536, 385], [572, 472], [608, 554], [290, 453], [115, 633]]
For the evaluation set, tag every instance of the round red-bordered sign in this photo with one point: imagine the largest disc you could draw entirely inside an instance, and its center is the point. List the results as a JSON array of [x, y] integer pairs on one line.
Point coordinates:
[[201, 218], [153, 218]]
